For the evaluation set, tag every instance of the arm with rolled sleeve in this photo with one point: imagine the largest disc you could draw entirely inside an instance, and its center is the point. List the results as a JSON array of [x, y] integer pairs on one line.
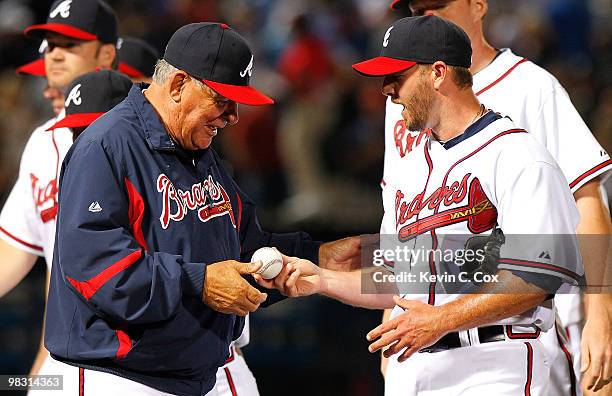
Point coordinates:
[[101, 253]]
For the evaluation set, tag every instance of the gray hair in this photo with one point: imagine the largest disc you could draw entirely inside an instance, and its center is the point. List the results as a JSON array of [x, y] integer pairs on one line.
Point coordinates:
[[163, 71]]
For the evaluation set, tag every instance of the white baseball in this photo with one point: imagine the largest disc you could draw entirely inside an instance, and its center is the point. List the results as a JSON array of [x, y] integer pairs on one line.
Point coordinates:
[[272, 262]]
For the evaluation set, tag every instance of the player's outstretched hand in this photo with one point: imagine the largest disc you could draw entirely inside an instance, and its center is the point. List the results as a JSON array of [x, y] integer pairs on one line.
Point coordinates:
[[226, 291], [596, 345], [420, 326], [298, 278], [341, 255]]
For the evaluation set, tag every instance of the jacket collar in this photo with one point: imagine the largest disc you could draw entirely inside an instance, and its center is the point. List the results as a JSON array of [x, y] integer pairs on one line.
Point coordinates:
[[155, 133]]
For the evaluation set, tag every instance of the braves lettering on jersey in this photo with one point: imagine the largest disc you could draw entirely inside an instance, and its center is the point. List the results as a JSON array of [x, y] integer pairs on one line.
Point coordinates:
[[28, 217], [138, 262]]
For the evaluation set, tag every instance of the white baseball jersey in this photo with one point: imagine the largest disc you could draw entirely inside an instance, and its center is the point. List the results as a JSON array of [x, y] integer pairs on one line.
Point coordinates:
[[492, 174], [535, 101], [27, 220]]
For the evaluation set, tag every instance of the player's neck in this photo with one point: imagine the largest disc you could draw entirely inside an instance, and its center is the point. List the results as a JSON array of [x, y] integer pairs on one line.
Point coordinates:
[[483, 54], [456, 115]]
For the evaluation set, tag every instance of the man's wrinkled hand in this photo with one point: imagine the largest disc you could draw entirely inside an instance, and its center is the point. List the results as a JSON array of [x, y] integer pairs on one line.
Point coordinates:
[[226, 291]]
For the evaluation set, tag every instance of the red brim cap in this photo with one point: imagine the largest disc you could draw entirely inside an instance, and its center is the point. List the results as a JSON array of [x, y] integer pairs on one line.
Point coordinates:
[[129, 71], [76, 120], [64, 30], [36, 68], [399, 5], [382, 66], [240, 94]]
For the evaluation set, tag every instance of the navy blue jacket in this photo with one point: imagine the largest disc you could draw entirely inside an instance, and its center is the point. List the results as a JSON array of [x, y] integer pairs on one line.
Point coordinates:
[[139, 219]]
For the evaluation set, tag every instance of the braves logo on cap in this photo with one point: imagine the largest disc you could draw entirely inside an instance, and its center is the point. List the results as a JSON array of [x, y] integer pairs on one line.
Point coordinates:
[[63, 9], [74, 96], [387, 35], [249, 69]]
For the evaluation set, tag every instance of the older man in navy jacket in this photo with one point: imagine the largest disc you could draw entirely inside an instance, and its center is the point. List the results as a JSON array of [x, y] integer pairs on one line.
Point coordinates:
[[147, 289]]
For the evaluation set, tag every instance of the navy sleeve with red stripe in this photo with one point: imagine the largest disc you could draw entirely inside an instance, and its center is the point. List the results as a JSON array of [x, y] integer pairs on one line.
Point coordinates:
[[100, 249]]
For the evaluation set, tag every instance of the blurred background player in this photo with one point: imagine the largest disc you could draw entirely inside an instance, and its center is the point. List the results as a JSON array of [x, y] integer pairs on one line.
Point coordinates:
[[80, 37], [136, 59], [536, 101]]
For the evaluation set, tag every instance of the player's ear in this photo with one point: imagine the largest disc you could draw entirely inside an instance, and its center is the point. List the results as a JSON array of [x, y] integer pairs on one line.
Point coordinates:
[[479, 9], [106, 56], [440, 72], [176, 84]]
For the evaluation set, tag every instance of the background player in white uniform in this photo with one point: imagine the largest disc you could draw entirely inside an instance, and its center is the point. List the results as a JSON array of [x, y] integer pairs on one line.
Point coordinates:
[[27, 220], [536, 101], [475, 170]]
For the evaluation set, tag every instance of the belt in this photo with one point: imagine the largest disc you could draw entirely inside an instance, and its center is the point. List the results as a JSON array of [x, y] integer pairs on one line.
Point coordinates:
[[452, 340]]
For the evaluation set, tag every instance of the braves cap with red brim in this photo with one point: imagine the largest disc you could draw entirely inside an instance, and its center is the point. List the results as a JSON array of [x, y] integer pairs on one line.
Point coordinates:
[[79, 19], [136, 57], [91, 95], [219, 57], [35, 68], [413, 40]]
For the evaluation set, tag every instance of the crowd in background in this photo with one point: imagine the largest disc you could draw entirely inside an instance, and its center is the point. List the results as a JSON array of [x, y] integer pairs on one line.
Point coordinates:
[[314, 160]]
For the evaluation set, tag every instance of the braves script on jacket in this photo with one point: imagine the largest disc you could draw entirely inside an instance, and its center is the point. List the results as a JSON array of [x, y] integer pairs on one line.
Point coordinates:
[[139, 219]]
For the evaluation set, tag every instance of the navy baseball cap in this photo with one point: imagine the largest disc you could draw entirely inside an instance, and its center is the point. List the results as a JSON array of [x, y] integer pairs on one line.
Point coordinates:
[[136, 57], [91, 95], [80, 19], [36, 67], [400, 5], [219, 57], [422, 39]]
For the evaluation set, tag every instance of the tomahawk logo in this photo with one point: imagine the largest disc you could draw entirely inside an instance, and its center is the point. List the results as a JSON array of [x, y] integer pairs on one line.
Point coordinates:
[[249, 69], [74, 96], [387, 35], [63, 9]]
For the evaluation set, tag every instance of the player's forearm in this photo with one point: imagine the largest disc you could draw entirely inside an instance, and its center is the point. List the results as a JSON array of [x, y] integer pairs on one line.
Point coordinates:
[[14, 266], [473, 310], [346, 287]]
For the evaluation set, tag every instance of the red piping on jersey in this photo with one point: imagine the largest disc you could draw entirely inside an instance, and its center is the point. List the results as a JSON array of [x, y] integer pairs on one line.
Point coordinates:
[[535, 264], [136, 213], [501, 77], [239, 212], [231, 356], [230, 381], [125, 344], [589, 173], [81, 381], [521, 336], [57, 164], [89, 287], [383, 183], [431, 300], [529, 369], [570, 364], [21, 241]]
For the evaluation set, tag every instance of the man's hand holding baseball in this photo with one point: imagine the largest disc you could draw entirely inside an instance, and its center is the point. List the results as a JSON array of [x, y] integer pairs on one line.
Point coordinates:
[[298, 278], [226, 291]]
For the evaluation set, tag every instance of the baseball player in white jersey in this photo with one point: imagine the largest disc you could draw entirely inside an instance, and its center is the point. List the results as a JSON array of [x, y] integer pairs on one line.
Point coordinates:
[[474, 172], [27, 220], [536, 101]]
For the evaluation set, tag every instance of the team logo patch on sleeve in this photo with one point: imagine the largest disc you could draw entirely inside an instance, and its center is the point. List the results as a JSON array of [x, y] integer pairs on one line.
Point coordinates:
[[208, 198]]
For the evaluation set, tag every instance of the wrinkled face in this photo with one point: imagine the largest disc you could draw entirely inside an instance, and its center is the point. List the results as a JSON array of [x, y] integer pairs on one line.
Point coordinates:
[[67, 58], [201, 113], [56, 98], [457, 11], [412, 90]]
